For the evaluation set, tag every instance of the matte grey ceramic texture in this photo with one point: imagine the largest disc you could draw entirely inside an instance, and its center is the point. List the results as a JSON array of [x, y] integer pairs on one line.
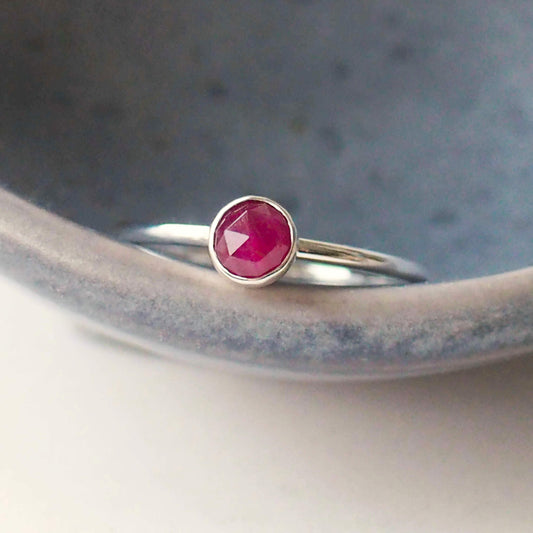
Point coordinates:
[[405, 127]]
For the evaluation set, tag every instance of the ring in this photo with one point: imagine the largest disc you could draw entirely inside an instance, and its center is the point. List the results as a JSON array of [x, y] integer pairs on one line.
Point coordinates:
[[253, 241]]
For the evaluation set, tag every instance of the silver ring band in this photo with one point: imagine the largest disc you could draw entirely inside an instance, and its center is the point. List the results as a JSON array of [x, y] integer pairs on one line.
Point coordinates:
[[308, 261]]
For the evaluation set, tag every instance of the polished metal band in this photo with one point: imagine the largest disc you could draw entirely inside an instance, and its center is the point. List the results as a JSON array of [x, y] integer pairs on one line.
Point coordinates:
[[317, 262]]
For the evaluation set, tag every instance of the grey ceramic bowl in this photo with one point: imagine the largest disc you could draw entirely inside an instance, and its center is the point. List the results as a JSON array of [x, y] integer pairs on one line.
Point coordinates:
[[406, 127]]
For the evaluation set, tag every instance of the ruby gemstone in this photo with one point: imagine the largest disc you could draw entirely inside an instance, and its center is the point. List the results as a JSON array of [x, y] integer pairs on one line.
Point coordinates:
[[252, 239]]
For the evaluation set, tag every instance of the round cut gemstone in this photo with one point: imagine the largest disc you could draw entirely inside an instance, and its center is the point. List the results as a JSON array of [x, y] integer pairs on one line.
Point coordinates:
[[252, 239]]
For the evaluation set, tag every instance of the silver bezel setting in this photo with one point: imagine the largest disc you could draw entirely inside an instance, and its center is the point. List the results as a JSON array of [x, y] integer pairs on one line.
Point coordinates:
[[269, 278]]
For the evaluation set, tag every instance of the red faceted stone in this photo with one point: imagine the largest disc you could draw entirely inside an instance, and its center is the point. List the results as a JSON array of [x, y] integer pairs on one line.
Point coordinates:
[[252, 239]]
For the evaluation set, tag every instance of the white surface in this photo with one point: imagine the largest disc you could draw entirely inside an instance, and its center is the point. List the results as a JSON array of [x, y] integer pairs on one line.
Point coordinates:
[[97, 438]]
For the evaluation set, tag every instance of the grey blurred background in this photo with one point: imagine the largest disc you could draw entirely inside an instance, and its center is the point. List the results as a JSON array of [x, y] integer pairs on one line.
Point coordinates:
[[401, 126]]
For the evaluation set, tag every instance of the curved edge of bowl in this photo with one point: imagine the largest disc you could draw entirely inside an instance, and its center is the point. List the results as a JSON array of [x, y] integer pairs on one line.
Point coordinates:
[[322, 333]]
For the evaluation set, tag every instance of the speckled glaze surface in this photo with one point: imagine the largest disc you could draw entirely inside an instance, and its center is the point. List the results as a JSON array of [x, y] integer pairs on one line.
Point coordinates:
[[404, 127]]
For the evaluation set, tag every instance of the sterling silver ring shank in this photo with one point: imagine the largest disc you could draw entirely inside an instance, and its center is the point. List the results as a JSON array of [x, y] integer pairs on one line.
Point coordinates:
[[307, 261]]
